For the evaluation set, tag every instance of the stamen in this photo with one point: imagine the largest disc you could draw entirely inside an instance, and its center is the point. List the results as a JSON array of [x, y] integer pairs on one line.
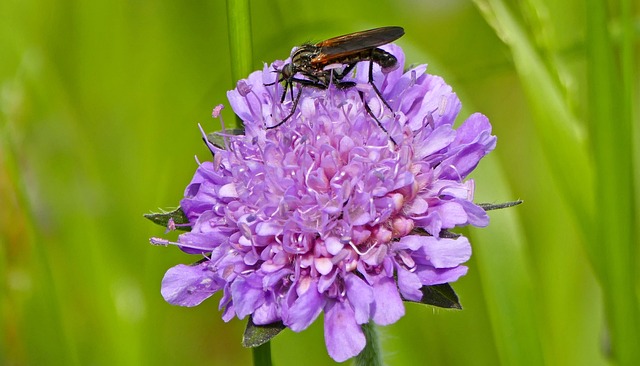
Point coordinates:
[[455, 169], [243, 88], [160, 242], [165, 243], [429, 121], [358, 251], [443, 106], [171, 225], [215, 113]]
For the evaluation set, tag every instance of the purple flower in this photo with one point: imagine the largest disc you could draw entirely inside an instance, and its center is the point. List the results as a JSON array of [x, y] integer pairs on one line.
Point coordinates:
[[325, 213]]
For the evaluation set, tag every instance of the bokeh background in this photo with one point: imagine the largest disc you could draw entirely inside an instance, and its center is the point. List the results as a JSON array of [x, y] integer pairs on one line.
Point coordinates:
[[100, 102]]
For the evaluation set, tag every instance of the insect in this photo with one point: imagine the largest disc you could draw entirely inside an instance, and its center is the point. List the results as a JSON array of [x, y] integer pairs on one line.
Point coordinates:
[[314, 62]]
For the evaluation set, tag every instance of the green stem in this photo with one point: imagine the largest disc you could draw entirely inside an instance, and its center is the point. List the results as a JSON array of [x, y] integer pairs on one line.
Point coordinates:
[[239, 18], [239, 23], [371, 355], [262, 355]]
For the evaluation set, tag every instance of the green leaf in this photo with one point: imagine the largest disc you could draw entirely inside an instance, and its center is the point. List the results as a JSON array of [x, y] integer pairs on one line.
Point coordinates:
[[179, 219], [441, 296], [256, 335]]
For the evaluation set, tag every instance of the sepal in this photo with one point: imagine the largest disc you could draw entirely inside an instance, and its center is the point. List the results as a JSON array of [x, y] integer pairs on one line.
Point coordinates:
[[497, 206], [442, 296], [217, 138], [257, 335], [177, 218]]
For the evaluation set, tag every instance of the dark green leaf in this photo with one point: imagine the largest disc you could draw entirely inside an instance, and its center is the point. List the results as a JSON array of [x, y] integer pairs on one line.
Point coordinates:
[[441, 296], [256, 335], [179, 219], [497, 206]]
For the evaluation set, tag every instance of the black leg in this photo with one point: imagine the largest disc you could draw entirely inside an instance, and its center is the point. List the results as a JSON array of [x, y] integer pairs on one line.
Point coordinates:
[[278, 79], [287, 85], [290, 82], [375, 88], [366, 107], [316, 83], [293, 108], [347, 69], [344, 84]]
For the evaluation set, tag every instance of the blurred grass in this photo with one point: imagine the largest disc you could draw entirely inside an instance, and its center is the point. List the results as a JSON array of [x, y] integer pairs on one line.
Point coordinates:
[[611, 83], [99, 106]]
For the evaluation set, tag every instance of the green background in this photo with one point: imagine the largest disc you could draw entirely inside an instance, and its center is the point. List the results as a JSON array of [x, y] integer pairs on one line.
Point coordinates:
[[100, 102]]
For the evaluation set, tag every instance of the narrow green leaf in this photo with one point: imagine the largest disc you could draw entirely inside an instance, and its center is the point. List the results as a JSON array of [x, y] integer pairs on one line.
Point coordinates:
[[610, 111], [180, 221], [257, 335]]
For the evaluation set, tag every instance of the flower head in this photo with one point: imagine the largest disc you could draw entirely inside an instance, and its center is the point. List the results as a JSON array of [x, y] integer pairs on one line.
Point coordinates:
[[325, 213]]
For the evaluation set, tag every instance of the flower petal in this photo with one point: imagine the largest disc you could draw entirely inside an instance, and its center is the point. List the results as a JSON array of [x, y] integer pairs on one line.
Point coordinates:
[[409, 284], [342, 335], [360, 296], [305, 309], [247, 294], [188, 285], [388, 307], [445, 253], [432, 276]]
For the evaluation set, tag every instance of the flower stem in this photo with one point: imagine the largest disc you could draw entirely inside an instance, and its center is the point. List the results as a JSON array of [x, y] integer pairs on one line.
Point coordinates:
[[371, 354], [239, 23], [239, 18], [262, 355]]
